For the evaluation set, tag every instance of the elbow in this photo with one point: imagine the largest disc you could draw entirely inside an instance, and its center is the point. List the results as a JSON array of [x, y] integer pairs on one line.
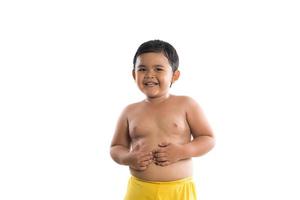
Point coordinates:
[[212, 142], [112, 152]]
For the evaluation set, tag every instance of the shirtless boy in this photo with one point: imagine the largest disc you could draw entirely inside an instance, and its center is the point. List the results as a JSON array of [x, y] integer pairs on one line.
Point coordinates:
[[157, 137]]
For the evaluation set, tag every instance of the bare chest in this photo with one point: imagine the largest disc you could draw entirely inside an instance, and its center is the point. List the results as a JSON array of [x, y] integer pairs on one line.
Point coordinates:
[[160, 123]]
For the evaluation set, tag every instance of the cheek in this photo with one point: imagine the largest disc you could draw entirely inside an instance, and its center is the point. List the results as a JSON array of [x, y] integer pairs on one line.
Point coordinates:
[[139, 78], [168, 78]]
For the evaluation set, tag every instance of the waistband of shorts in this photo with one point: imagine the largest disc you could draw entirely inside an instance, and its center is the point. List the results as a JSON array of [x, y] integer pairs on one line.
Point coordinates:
[[183, 180]]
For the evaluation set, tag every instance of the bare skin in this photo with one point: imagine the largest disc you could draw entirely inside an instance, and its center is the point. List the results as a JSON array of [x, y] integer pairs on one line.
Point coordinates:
[[158, 137]]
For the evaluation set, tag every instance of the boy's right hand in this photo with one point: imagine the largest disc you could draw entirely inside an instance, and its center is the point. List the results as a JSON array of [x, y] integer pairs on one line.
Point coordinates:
[[139, 159]]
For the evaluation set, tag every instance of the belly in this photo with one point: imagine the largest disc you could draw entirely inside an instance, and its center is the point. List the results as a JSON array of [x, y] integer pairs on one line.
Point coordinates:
[[175, 171]]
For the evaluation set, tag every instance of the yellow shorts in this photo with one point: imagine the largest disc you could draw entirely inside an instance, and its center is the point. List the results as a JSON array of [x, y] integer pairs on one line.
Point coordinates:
[[183, 189]]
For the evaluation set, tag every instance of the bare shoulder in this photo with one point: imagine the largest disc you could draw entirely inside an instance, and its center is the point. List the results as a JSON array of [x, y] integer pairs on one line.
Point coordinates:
[[130, 110], [196, 118], [131, 107], [186, 101], [127, 110]]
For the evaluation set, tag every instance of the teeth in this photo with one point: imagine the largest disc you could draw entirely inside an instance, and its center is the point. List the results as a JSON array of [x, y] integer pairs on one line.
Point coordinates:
[[150, 84]]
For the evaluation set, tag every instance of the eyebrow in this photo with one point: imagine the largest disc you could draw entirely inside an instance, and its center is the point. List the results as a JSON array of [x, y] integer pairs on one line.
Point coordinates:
[[140, 66]]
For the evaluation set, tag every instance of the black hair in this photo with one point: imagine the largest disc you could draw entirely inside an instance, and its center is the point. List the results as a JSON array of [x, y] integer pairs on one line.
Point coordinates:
[[159, 46]]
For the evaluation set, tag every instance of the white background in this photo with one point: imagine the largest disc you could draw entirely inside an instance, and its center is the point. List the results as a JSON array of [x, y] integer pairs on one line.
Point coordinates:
[[65, 76]]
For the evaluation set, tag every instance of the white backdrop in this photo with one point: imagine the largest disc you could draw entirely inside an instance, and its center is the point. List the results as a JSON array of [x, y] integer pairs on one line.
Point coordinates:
[[66, 75]]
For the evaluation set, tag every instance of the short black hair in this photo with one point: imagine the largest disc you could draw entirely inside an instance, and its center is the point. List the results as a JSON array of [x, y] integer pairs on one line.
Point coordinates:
[[159, 46]]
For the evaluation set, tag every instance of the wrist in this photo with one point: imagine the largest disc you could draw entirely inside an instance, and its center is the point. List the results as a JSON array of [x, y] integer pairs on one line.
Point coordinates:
[[126, 160]]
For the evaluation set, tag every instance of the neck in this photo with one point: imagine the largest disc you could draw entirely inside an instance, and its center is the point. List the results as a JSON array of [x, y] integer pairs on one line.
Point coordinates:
[[157, 99]]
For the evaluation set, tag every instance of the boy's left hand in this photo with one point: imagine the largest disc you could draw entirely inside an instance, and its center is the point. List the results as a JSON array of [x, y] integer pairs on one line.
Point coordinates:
[[167, 153]]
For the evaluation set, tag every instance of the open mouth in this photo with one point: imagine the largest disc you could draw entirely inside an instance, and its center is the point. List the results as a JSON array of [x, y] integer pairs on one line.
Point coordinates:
[[150, 83]]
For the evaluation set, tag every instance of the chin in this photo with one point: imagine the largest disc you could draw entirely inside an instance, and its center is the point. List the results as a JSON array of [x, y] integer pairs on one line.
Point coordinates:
[[151, 95]]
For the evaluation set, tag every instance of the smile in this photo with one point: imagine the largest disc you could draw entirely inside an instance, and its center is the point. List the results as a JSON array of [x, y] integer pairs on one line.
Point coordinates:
[[150, 83]]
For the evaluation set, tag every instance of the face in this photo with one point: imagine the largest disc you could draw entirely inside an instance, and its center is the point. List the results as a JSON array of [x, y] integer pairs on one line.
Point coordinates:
[[153, 74]]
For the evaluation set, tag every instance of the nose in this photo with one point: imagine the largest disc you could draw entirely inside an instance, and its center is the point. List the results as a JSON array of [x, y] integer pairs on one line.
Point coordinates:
[[150, 74]]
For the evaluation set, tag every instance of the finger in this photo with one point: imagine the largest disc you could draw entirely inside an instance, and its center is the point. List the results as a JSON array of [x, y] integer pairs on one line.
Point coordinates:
[[157, 155], [145, 163], [147, 153], [161, 159], [161, 150], [138, 168], [146, 158], [144, 155], [142, 168], [165, 163], [158, 163], [163, 144]]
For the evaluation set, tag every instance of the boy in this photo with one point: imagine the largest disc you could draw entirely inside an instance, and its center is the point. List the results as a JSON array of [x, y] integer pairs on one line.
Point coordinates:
[[157, 137]]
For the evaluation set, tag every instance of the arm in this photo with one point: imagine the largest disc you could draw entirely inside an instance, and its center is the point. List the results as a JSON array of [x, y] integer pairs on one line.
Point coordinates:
[[203, 137], [120, 144], [120, 147]]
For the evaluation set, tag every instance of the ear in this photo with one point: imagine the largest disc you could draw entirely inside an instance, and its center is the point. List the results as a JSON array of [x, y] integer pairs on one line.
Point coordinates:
[[176, 75], [133, 74]]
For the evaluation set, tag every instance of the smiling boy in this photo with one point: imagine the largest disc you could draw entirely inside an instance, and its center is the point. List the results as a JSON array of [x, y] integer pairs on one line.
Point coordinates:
[[157, 137]]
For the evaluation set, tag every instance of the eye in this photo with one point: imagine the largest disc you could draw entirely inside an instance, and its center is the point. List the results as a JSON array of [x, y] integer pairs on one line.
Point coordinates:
[[141, 69], [159, 69]]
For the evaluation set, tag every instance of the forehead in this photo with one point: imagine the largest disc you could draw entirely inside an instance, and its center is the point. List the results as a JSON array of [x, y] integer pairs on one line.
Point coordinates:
[[152, 59]]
